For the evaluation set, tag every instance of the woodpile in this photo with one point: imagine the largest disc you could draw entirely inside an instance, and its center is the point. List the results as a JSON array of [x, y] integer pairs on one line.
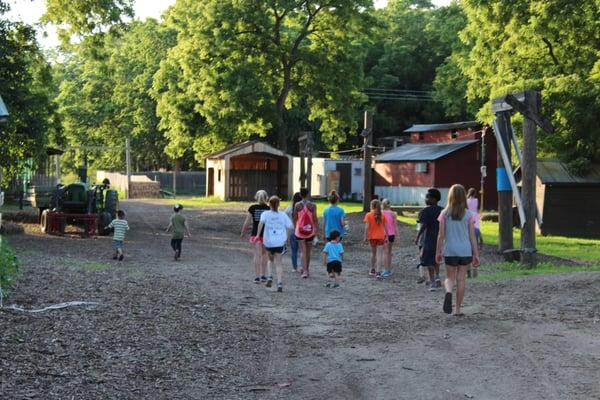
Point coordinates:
[[144, 190]]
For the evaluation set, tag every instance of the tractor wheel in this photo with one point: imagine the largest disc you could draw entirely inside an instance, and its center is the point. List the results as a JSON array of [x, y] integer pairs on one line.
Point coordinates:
[[44, 221], [111, 203], [103, 220]]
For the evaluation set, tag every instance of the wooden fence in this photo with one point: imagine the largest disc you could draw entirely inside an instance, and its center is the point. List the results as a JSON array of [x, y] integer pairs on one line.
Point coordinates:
[[188, 182]]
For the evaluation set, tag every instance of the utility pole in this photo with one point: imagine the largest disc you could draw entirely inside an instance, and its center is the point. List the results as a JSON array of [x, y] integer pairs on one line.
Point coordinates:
[[128, 166], [367, 135]]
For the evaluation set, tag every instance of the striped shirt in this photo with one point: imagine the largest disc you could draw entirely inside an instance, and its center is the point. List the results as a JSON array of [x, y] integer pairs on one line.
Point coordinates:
[[121, 226]]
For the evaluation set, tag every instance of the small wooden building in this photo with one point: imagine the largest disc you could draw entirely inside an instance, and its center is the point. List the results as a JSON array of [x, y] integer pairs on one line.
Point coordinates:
[[239, 171], [438, 155], [568, 203]]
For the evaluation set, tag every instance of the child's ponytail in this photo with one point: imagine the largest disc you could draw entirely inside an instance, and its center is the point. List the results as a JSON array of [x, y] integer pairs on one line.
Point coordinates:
[[376, 207]]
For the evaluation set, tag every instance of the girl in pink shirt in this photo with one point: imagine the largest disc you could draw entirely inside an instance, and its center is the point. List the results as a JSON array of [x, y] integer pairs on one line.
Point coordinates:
[[391, 226], [473, 206]]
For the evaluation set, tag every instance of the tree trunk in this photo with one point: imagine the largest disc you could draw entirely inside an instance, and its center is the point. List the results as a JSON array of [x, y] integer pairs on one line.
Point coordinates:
[[281, 130]]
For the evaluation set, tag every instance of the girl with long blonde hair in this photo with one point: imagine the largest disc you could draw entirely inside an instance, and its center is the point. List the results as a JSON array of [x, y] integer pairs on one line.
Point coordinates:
[[259, 261], [456, 246], [376, 235]]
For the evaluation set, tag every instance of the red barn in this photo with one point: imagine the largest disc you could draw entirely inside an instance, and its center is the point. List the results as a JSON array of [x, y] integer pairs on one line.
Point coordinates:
[[438, 155]]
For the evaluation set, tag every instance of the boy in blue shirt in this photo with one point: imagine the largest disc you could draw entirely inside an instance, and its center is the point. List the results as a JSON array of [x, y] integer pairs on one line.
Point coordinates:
[[334, 217], [333, 255]]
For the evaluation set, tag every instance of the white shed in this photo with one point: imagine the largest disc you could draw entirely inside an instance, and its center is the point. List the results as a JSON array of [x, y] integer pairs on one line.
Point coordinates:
[[345, 176]]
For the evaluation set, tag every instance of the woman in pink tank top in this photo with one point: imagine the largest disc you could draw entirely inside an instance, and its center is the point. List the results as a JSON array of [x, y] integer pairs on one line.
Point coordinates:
[[391, 227]]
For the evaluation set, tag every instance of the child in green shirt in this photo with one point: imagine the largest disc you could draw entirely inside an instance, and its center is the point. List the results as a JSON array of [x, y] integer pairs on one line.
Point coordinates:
[[180, 228]]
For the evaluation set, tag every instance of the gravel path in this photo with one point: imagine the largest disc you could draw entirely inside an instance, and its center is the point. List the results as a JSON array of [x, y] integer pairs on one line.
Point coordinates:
[[199, 329]]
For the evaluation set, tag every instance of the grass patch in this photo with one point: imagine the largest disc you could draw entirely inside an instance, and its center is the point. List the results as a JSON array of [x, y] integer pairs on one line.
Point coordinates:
[[215, 202], [9, 266], [557, 246], [500, 271], [86, 265]]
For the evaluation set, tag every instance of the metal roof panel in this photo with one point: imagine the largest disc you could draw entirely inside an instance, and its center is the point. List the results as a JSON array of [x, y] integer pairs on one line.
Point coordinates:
[[423, 151], [442, 127]]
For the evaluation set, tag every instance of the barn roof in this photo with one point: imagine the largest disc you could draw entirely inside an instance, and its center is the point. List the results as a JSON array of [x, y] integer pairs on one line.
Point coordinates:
[[553, 171], [443, 127], [423, 151], [249, 143]]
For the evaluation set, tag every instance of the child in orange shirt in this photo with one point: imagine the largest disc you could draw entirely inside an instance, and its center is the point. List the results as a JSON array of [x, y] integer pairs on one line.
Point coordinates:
[[376, 235]]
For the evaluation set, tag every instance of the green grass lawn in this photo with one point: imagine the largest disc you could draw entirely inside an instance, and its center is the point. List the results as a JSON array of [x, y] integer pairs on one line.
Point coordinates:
[[494, 272], [558, 246]]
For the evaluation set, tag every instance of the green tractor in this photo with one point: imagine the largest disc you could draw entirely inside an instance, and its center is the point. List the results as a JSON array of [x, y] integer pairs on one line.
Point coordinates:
[[76, 204]]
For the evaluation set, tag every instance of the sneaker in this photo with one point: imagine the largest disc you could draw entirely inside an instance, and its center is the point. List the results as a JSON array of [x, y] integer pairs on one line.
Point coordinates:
[[378, 275], [438, 282], [115, 257], [304, 275], [372, 273], [269, 282], [386, 273], [257, 280], [121, 257], [433, 287], [263, 279], [280, 287], [328, 285], [336, 286], [448, 303], [420, 280]]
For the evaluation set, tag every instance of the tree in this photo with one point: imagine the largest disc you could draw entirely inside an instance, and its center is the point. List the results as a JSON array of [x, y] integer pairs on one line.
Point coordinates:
[[85, 17], [105, 98], [548, 45], [242, 65], [412, 39], [25, 85]]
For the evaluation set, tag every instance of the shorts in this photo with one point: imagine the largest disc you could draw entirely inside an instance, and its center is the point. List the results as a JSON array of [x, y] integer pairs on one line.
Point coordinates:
[[334, 266], [256, 239], [310, 239], [118, 244], [391, 238], [428, 257], [456, 261], [377, 242], [275, 250]]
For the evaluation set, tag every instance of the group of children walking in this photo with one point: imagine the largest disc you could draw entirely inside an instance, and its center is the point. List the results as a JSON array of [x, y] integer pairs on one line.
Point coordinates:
[[447, 236]]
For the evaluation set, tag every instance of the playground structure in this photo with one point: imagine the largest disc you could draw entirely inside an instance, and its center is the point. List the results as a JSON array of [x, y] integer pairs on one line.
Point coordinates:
[[528, 104]]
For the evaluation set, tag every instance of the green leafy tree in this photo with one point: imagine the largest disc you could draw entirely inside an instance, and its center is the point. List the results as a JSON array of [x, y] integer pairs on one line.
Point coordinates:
[[412, 39], [241, 66], [105, 98], [85, 17], [25, 86], [548, 45]]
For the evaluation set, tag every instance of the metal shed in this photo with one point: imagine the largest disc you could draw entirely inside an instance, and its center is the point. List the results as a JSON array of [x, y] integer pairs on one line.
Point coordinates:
[[237, 172], [566, 201]]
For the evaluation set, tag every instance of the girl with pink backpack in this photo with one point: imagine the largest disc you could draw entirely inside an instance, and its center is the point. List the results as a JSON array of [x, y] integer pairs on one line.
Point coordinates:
[[306, 224]]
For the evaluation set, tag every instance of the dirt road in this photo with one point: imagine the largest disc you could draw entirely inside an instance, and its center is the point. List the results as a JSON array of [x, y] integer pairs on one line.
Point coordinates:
[[199, 329]]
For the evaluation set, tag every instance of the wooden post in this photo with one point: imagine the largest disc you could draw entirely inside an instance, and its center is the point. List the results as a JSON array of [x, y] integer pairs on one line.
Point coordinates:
[[529, 173], [309, 151], [57, 169], [128, 166], [505, 195], [367, 134]]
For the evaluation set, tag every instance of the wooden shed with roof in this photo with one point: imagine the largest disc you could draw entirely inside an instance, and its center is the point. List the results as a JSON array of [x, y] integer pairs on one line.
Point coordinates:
[[568, 202], [239, 171]]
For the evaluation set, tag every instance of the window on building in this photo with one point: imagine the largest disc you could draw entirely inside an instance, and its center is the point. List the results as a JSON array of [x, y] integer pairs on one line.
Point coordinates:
[[421, 136], [421, 167], [454, 134], [219, 176]]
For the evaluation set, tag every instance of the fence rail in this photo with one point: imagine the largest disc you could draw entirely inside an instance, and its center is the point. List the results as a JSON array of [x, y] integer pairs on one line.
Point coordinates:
[[188, 182]]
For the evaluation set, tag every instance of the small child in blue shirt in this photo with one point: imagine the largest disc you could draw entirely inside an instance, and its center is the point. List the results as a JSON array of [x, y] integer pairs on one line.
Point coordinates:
[[333, 255]]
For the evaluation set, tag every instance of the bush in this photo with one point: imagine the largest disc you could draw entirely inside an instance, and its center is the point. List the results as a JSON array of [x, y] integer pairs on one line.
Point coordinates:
[[9, 266]]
